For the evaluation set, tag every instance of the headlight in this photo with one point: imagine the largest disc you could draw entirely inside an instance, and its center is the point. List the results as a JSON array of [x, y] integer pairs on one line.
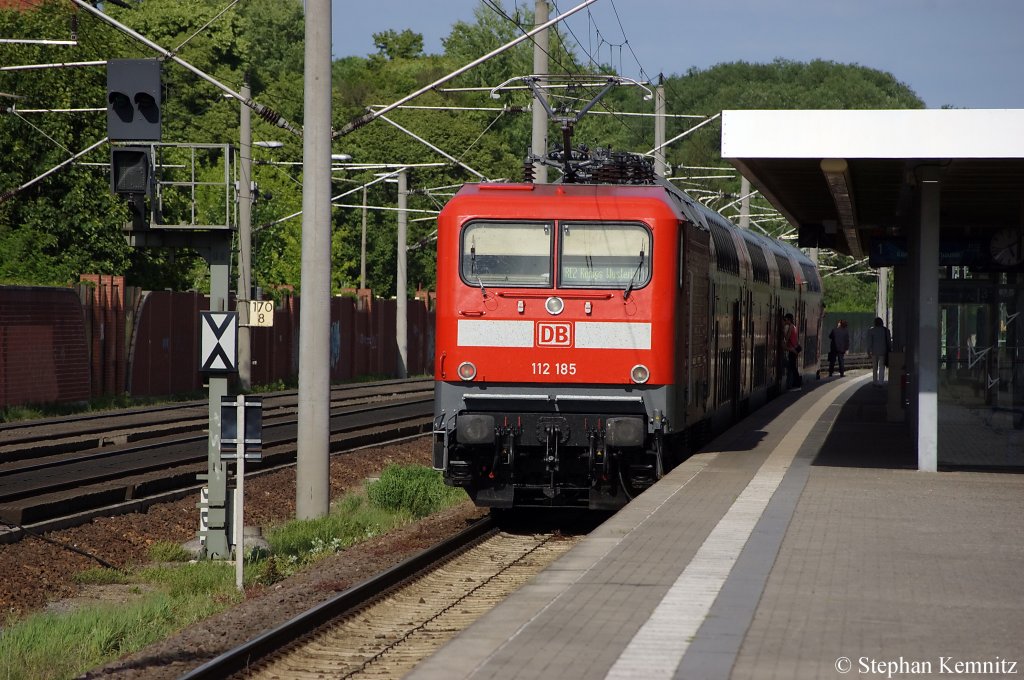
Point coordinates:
[[474, 429], [467, 371], [554, 305], [625, 432], [639, 373]]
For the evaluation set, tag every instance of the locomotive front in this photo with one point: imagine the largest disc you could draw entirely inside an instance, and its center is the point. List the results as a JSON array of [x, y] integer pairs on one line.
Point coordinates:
[[555, 342]]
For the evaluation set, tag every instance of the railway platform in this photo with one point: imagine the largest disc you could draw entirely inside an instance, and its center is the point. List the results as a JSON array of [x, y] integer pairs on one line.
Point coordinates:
[[801, 543]]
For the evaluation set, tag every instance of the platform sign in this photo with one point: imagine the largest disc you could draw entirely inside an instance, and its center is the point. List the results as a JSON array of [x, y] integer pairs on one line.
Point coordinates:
[[218, 341], [261, 313], [251, 413]]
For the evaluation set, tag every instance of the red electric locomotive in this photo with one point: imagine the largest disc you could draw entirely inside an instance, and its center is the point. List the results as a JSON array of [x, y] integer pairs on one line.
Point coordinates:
[[584, 329]]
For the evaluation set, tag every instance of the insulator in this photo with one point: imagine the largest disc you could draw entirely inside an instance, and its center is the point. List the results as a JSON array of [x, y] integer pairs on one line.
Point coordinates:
[[269, 115], [528, 172]]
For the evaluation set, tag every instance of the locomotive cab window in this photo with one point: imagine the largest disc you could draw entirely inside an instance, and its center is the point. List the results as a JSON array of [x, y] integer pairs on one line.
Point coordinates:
[[604, 255], [507, 254]]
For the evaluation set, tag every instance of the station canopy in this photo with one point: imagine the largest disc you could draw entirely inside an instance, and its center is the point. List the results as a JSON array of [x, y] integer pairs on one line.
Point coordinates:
[[848, 179]]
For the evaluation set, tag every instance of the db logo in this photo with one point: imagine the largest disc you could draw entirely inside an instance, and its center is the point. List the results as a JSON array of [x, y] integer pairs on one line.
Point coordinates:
[[554, 334]]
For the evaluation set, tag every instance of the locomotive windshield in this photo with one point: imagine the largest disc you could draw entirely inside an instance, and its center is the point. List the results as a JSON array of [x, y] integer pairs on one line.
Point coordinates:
[[507, 253], [604, 255]]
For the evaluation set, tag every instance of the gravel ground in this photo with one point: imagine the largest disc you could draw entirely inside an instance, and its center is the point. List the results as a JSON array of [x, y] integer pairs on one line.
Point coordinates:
[[38, 575]]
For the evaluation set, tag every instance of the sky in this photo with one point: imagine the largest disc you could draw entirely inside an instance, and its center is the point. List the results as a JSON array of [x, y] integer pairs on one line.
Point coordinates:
[[962, 53]]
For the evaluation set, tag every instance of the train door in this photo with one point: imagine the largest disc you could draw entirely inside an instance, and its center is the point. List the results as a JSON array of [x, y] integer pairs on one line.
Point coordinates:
[[806, 355], [774, 330], [755, 375], [735, 356]]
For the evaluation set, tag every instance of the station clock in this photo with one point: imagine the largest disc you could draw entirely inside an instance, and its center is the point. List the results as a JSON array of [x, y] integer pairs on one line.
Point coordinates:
[[1006, 248]]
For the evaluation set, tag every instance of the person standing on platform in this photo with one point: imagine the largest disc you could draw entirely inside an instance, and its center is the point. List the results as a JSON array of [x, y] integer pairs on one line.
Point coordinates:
[[791, 344], [839, 339], [879, 343]]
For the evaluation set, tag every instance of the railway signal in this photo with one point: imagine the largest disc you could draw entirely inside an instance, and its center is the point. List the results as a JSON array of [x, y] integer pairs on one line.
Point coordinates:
[[131, 177], [133, 100]]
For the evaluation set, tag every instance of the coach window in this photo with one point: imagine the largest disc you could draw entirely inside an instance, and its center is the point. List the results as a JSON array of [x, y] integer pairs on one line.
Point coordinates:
[[604, 255], [507, 253]]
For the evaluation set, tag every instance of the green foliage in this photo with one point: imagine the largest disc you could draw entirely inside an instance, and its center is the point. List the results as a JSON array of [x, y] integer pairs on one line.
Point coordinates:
[[783, 84], [415, 489], [394, 45], [854, 293]]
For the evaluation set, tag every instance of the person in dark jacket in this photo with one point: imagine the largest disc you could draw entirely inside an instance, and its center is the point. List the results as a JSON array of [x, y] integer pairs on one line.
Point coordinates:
[[839, 345], [879, 343]]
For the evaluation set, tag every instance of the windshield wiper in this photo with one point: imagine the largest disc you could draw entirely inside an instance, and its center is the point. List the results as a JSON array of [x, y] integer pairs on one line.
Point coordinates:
[[472, 270], [632, 279]]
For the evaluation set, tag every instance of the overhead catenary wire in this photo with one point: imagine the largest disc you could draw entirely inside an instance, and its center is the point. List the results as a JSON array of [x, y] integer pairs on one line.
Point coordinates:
[[373, 115], [11, 192], [27, 41], [206, 25], [343, 194], [434, 148], [58, 64], [16, 111], [575, 72], [684, 134]]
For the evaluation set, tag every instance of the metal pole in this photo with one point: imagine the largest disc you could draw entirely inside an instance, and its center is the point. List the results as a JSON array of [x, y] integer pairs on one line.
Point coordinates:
[[539, 145], [240, 492], [362, 247], [744, 203], [312, 476], [244, 243], [660, 167], [218, 523], [401, 319]]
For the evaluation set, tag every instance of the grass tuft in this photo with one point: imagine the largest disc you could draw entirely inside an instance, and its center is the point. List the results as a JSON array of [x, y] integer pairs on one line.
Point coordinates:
[[167, 551], [415, 489], [101, 577]]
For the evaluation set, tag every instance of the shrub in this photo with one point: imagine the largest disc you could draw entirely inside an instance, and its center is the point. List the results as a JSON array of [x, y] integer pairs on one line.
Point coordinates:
[[415, 489]]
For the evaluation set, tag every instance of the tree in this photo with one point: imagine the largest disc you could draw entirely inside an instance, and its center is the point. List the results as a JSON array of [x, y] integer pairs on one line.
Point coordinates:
[[393, 45], [57, 228]]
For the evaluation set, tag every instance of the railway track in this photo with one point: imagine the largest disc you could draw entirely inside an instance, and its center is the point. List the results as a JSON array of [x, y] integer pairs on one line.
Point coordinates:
[[35, 438], [386, 625], [63, 484]]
